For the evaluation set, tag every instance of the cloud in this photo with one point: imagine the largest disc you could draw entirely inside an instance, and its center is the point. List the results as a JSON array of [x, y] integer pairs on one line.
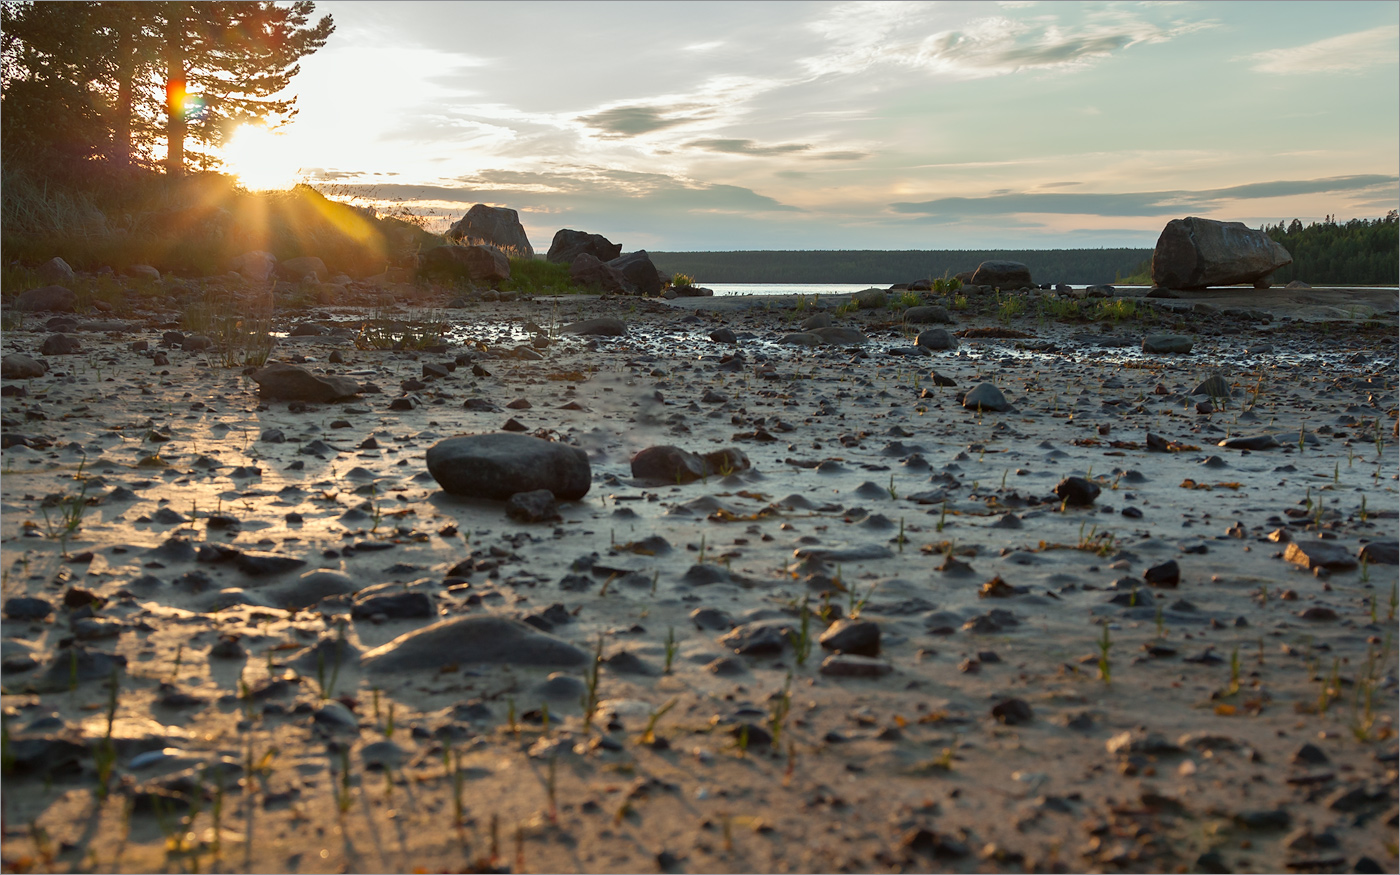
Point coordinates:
[[864, 36], [1153, 203], [1348, 53], [631, 121], [749, 147]]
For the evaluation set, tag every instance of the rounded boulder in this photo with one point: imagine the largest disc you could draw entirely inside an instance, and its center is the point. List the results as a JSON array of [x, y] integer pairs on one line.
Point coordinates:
[[498, 465]]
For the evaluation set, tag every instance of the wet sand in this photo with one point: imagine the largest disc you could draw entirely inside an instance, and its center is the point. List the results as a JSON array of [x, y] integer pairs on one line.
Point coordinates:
[[1034, 701]]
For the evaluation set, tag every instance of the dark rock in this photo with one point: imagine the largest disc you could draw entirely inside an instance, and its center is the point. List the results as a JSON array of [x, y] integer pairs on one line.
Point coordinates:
[[60, 344], [1166, 343], [1250, 442], [724, 335], [1002, 274], [985, 396], [497, 466], [937, 339], [1380, 553], [498, 226], [472, 639], [283, 382], [1319, 554], [483, 264], [859, 637], [835, 335], [762, 638], [25, 608], [587, 270], [394, 606], [673, 465], [639, 272], [926, 314], [536, 506], [55, 298], [710, 618], [841, 665], [1310, 754], [1264, 820], [71, 664], [1194, 253], [18, 366], [568, 245], [1166, 575], [1077, 491], [298, 269], [1013, 712]]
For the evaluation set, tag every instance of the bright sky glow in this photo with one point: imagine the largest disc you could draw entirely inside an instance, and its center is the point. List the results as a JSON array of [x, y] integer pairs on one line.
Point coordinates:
[[817, 125], [261, 159]]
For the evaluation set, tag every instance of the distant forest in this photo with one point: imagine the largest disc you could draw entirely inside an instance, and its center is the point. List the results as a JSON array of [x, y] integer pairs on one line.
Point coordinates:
[[1080, 266], [1362, 251], [1359, 252]]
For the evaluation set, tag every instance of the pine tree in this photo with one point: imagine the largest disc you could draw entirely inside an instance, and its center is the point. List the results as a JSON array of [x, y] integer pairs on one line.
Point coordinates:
[[229, 63]]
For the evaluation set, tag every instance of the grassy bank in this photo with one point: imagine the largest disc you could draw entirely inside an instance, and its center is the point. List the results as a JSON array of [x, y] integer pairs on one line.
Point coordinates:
[[193, 226]]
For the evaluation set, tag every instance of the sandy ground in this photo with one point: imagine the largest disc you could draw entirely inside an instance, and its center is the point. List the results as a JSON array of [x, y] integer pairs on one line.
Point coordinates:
[[1035, 704]]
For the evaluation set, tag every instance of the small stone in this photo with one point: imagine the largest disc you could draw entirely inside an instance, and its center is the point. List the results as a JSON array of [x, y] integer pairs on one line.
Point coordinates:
[[1319, 554], [1166, 575], [843, 666], [1013, 712], [985, 396], [535, 506], [1077, 491], [860, 637]]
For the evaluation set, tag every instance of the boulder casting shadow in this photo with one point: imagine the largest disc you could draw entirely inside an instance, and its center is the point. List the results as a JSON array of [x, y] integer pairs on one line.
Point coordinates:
[[478, 639]]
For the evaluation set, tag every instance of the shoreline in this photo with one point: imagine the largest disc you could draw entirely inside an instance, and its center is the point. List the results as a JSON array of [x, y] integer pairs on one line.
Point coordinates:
[[989, 728]]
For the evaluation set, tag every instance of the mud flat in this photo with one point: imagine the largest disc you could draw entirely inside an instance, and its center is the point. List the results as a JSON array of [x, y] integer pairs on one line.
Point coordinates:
[[1114, 625]]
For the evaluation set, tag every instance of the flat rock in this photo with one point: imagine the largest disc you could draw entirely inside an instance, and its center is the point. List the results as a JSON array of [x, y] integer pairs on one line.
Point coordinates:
[[839, 336], [926, 314], [1319, 554], [498, 465], [284, 382], [469, 640], [841, 665], [1380, 553], [1250, 442], [1167, 343], [673, 465]]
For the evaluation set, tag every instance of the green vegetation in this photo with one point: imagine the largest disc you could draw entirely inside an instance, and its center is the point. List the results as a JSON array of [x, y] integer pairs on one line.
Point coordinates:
[[896, 266], [1360, 252], [535, 276]]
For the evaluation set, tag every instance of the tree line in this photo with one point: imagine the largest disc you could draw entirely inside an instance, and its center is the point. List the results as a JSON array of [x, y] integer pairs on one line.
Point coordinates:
[[1077, 266], [1358, 252], [89, 85]]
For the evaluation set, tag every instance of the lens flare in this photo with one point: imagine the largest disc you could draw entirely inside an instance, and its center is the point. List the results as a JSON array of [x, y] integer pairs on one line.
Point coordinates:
[[261, 159]]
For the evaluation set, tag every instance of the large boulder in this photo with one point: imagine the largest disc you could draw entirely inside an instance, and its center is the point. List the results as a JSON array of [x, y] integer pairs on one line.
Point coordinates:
[[56, 298], [255, 266], [284, 382], [56, 270], [1194, 253], [640, 273], [498, 465], [569, 245], [496, 226], [1002, 274], [17, 366], [587, 270], [297, 269], [483, 264]]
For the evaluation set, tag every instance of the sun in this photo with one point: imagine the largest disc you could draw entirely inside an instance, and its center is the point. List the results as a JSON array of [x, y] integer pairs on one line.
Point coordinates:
[[261, 159]]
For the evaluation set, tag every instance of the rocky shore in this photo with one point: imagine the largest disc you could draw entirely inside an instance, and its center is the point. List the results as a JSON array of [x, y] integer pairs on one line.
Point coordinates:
[[865, 584]]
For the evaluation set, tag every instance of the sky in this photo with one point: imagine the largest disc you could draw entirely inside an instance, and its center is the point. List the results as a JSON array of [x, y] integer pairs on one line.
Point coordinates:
[[816, 125]]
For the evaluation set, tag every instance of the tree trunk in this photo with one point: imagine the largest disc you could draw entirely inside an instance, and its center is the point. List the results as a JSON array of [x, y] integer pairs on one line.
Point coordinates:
[[175, 91], [126, 71]]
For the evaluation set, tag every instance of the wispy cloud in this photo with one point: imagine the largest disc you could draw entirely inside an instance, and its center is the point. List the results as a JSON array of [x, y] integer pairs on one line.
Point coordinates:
[[637, 119], [749, 147], [1145, 203], [1348, 53]]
